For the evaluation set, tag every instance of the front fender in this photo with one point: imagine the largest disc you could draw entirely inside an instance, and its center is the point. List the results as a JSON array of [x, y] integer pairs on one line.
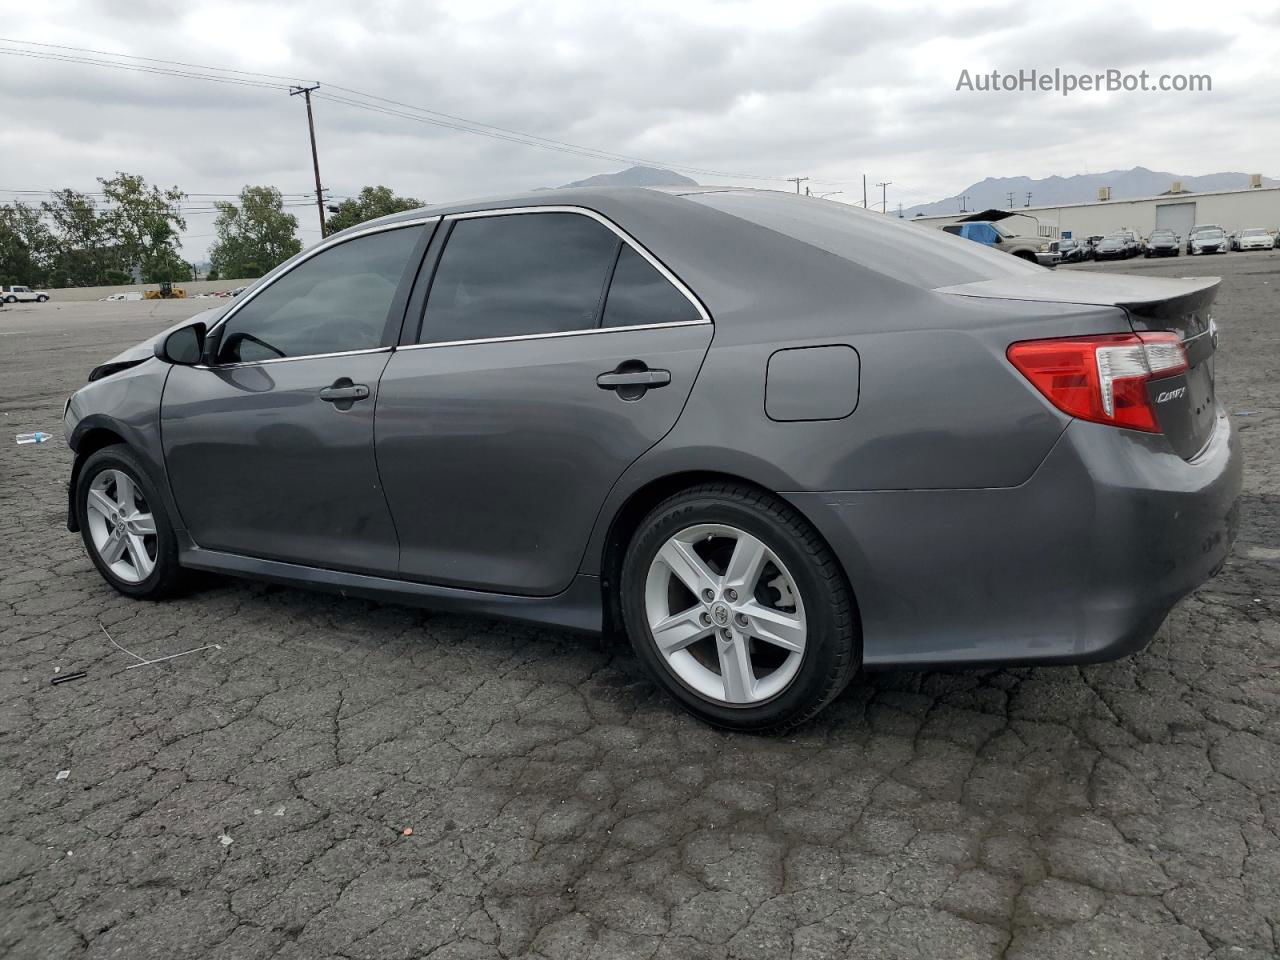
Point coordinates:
[[121, 408]]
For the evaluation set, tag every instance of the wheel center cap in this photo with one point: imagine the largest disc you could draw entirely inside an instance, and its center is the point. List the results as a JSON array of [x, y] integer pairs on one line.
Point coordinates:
[[720, 613]]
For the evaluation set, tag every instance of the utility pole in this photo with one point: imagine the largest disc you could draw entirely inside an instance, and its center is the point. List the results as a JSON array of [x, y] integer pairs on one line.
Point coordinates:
[[315, 157], [964, 197], [864, 191], [884, 195], [899, 209], [1010, 196], [1028, 203], [797, 181]]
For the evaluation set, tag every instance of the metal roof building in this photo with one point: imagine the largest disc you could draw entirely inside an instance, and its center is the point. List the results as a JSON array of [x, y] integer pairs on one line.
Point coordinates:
[[1177, 210]]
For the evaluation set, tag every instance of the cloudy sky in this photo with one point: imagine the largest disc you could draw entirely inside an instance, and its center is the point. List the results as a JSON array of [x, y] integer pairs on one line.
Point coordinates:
[[751, 90]]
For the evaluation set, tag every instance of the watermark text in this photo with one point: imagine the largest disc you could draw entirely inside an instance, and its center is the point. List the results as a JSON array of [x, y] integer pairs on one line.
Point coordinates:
[[1066, 83]]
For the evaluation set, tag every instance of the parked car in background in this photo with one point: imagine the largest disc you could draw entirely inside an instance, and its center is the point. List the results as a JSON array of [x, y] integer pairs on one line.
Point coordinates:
[[1203, 226], [1111, 248], [1162, 243], [551, 432], [991, 234], [1132, 241], [1256, 238], [17, 293], [1210, 240], [1072, 250]]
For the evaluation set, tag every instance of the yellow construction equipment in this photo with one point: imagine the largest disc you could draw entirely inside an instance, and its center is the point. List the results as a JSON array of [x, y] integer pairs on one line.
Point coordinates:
[[167, 291]]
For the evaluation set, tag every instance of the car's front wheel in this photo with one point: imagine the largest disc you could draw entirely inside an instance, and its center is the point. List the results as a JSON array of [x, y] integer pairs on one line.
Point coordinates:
[[124, 525], [739, 609]]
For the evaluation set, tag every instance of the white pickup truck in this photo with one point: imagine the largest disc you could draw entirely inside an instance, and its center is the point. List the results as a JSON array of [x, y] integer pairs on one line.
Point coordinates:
[[12, 293]]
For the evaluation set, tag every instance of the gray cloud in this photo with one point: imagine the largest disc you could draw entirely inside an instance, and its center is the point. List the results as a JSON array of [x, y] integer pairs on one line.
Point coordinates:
[[827, 90]]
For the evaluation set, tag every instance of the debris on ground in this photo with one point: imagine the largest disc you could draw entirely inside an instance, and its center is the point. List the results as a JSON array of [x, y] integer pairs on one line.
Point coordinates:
[[37, 437], [143, 661], [62, 774], [224, 840], [64, 678]]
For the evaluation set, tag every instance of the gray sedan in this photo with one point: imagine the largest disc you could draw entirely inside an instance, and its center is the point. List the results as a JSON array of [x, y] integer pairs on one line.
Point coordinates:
[[773, 439]]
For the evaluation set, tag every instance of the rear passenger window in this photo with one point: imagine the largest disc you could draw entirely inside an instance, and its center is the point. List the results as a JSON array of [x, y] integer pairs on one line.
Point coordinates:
[[519, 274], [641, 295]]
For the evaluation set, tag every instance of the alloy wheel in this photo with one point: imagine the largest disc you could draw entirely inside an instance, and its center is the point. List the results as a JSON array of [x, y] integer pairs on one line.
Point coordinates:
[[725, 614], [122, 526]]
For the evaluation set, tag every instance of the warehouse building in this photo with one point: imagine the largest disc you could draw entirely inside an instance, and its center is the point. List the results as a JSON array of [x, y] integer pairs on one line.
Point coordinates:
[[1176, 209]]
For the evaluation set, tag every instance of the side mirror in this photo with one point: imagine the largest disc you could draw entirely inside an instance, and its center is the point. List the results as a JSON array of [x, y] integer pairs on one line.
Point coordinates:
[[184, 347]]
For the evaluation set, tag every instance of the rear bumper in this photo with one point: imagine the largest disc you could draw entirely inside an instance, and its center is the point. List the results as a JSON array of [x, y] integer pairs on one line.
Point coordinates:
[[1079, 564]]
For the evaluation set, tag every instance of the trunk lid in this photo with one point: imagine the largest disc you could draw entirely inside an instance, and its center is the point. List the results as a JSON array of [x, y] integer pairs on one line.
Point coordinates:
[[1185, 403]]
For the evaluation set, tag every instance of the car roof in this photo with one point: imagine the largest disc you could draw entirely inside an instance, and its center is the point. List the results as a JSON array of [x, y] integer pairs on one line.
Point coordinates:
[[722, 241]]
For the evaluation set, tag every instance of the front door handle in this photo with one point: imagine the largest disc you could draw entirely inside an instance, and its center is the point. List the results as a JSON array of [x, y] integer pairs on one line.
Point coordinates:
[[343, 393]]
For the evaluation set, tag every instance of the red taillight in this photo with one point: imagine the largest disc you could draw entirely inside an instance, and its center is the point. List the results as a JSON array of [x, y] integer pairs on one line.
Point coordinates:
[[1102, 378]]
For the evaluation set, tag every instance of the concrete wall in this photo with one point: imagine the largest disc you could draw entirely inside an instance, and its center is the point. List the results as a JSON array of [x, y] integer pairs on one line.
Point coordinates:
[[73, 294], [1234, 210]]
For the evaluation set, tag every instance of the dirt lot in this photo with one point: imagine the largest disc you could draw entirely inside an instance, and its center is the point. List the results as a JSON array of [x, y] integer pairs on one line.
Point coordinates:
[[253, 800]]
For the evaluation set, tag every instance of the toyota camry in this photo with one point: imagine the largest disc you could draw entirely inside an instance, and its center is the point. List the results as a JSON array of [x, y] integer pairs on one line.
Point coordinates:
[[772, 439]]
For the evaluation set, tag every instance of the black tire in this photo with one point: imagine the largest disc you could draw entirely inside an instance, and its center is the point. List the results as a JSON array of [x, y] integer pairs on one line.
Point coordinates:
[[11, 299], [41, 299], [833, 647], [168, 577]]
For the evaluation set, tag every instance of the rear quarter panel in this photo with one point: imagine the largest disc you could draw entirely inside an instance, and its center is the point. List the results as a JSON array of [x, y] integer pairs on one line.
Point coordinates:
[[939, 405]]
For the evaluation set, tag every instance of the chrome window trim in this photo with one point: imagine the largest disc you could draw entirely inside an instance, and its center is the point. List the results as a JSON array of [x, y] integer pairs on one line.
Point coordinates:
[[586, 332], [326, 244], [704, 317], [306, 356]]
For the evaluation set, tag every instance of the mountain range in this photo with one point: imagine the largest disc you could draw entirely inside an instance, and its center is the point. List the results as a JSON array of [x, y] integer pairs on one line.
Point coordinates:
[[1081, 188], [636, 177], [994, 191]]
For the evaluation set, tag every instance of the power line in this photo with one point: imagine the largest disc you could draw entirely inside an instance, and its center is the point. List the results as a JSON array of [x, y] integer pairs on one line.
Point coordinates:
[[421, 114]]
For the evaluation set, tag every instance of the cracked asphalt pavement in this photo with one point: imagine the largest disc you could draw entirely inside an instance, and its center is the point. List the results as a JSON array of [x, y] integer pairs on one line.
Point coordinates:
[[256, 800]]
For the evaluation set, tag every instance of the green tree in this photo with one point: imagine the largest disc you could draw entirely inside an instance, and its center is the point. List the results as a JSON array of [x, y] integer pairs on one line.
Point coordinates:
[[373, 202], [212, 274], [83, 255], [254, 236], [143, 223], [26, 246]]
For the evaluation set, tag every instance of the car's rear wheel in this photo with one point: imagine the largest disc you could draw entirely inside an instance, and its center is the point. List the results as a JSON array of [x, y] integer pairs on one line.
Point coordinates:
[[124, 525], [739, 609]]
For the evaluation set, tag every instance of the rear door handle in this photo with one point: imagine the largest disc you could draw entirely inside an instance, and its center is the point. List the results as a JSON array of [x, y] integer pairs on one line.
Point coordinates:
[[634, 378]]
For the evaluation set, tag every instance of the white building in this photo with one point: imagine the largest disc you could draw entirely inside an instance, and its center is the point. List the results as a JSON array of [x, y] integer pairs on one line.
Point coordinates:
[[1178, 210]]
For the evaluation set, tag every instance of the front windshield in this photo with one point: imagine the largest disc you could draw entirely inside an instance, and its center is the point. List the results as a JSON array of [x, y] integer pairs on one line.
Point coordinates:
[[1001, 230], [1211, 234], [1255, 233]]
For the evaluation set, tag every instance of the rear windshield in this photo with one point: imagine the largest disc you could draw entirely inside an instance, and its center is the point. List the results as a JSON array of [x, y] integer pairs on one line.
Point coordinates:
[[913, 253]]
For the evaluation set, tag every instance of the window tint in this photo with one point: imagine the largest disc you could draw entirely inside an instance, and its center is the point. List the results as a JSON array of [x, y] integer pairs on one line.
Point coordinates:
[[336, 301], [639, 294], [519, 274]]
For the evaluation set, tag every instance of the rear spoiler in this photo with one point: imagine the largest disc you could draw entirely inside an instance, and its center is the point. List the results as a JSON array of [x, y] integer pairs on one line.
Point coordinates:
[[1145, 295]]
